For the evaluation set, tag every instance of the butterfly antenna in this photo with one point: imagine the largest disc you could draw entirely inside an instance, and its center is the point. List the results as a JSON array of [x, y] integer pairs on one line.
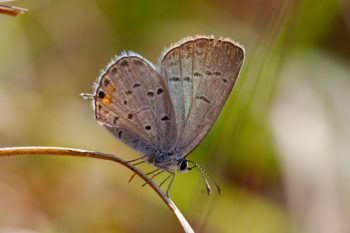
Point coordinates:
[[205, 175], [87, 96]]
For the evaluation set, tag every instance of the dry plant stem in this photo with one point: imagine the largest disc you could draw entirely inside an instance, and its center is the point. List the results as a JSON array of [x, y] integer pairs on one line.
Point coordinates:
[[11, 10], [59, 151]]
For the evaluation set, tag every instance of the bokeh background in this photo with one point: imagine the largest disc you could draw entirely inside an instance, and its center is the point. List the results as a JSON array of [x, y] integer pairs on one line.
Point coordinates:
[[280, 149]]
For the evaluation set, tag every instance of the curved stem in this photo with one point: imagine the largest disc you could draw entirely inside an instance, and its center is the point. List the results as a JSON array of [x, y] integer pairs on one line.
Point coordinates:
[[11, 10], [60, 151]]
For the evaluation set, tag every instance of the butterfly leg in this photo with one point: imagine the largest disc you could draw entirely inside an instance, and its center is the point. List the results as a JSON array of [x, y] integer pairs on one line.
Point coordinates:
[[139, 158], [133, 175], [134, 164], [131, 161], [134, 160], [172, 175], [158, 173], [149, 173]]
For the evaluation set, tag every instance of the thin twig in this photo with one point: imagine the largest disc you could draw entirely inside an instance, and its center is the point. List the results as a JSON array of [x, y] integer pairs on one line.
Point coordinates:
[[12, 10], [59, 151]]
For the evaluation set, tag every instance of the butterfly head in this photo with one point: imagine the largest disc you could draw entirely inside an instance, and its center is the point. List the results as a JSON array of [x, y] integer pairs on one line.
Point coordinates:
[[182, 166], [167, 161]]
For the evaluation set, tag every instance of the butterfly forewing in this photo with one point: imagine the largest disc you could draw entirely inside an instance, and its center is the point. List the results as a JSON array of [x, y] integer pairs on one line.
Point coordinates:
[[133, 102], [207, 71]]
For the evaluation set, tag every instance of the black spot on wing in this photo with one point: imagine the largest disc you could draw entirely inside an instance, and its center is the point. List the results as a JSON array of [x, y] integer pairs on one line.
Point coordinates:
[[187, 79], [114, 70], [106, 82], [209, 73], [138, 62], [205, 99], [159, 91], [165, 118], [197, 74], [115, 119], [174, 79], [101, 94], [124, 63]]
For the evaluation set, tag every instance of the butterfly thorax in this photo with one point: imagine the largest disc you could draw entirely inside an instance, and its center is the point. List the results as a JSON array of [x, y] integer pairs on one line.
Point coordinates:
[[164, 160]]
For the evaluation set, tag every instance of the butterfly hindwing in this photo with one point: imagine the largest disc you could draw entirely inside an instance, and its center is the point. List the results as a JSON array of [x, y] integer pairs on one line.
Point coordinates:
[[133, 103]]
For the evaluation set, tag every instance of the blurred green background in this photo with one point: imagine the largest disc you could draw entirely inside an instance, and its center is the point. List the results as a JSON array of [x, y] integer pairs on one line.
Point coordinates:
[[280, 149]]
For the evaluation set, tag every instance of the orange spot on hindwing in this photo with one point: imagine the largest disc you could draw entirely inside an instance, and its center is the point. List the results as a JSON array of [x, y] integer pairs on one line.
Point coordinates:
[[111, 88], [107, 99]]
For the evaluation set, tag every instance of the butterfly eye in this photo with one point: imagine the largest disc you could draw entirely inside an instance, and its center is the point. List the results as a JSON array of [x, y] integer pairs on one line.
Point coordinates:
[[183, 166]]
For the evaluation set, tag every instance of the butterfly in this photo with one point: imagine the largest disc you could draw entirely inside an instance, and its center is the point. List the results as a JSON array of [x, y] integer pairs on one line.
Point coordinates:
[[165, 111]]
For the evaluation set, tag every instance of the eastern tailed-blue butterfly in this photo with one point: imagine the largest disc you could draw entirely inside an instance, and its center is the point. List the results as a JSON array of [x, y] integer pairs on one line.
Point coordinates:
[[165, 111]]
